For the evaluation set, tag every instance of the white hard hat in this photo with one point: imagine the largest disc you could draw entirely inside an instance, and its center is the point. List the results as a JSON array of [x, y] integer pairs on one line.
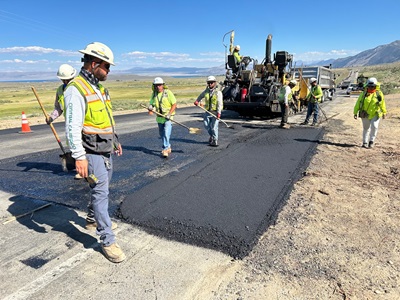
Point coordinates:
[[158, 80], [211, 78], [237, 47], [313, 79], [372, 81], [99, 50], [294, 82], [65, 72]]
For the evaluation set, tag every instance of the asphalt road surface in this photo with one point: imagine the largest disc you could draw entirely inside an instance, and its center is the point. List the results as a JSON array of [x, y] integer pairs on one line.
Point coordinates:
[[222, 198]]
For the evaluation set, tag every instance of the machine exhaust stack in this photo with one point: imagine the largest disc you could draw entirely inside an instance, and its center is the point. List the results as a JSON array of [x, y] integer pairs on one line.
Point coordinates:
[[268, 48]]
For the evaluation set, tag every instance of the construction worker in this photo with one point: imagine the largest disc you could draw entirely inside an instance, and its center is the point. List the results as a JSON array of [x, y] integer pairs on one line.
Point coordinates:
[[213, 104], [370, 107], [90, 132], [163, 101], [313, 98], [236, 55], [65, 73], [285, 97]]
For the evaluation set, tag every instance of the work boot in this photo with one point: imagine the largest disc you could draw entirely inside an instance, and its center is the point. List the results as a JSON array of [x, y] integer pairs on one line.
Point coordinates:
[[169, 150], [304, 123], [113, 253], [214, 143], [93, 225], [286, 126], [314, 124], [210, 140], [365, 145], [164, 153], [371, 144]]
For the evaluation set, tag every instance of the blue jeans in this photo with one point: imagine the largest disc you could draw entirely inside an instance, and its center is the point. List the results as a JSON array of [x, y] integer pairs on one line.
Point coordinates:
[[165, 131], [312, 108], [211, 125], [101, 168]]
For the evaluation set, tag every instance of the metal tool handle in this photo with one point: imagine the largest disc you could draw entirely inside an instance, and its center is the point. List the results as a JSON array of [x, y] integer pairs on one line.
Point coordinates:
[[47, 117], [161, 115]]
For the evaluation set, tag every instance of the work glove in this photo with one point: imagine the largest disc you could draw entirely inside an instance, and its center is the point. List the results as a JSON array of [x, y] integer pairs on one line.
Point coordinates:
[[150, 107], [196, 103], [168, 116], [49, 120], [218, 116]]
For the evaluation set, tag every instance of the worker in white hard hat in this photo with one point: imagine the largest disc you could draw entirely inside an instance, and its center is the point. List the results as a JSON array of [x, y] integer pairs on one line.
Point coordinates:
[[65, 73], [91, 135], [313, 98], [214, 104], [238, 58], [370, 107], [285, 98], [163, 101]]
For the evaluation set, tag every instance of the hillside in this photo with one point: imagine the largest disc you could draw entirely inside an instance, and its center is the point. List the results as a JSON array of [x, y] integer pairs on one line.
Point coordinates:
[[382, 54]]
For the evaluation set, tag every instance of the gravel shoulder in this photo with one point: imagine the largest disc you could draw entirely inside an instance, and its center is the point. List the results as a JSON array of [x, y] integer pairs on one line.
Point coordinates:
[[338, 235]]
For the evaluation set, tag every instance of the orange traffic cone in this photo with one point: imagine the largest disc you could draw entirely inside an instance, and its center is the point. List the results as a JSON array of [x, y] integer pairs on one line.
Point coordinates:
[[25, 124]]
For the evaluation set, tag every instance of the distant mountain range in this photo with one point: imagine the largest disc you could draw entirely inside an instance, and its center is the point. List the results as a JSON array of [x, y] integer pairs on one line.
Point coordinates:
[[380, 55]]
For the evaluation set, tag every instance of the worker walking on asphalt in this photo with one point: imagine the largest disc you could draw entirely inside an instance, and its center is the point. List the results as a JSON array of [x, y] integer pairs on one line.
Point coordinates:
[[313, 98], [214, 104], [90, 132], [164, 102], [65, 73], [370, 107], [285, 97]]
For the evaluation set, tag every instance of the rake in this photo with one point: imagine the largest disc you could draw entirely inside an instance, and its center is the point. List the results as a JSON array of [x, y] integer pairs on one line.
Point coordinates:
[[210, 113], [192, 130]]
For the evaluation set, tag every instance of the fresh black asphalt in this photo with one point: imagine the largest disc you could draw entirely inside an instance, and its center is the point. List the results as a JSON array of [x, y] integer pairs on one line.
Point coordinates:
[[221, 198]]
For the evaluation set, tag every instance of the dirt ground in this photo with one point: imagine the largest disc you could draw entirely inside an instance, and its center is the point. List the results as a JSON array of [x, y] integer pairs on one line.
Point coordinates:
[[338, 235]]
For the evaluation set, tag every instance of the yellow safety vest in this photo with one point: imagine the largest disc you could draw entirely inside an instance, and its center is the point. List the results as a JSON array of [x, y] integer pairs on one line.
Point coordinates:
[[210, 104], [60, 97], [98, 117]]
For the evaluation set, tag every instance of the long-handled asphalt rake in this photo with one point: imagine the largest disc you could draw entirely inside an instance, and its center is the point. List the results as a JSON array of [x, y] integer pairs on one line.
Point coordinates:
[[211, 114], [192, 130], [67, 161]]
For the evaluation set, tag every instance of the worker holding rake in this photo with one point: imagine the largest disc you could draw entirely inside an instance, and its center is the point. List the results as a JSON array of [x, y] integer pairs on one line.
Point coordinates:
[[163, 102], [213, 106]]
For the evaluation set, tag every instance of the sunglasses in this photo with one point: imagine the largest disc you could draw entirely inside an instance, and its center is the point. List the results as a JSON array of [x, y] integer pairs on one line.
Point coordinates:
[[105, 65], [210, 82]]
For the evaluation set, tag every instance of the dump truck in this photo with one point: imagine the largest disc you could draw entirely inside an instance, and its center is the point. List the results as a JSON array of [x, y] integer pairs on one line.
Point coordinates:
[[325, 79], [252, 89], [361, 81]]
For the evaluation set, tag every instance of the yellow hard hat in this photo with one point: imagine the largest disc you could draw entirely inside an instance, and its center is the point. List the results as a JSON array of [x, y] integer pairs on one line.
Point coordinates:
[[99, 50]]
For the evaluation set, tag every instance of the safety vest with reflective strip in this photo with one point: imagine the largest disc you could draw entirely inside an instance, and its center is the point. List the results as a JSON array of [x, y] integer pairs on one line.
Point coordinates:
[[60, 97], [211, 103], [98, 117]]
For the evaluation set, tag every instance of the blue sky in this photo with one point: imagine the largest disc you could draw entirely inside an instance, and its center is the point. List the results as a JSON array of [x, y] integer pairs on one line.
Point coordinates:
[[41, 35]]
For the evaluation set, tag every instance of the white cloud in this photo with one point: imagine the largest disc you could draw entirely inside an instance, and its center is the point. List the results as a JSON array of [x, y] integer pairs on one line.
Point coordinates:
[[36, 50]]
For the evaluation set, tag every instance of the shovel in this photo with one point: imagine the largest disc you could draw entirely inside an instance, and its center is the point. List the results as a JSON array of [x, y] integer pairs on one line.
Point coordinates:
[[192, 130], [210, 113], [67, 161]]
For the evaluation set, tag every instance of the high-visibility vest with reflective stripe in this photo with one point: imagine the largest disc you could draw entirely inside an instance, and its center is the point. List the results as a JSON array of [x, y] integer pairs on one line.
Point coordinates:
[[98, 117]]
